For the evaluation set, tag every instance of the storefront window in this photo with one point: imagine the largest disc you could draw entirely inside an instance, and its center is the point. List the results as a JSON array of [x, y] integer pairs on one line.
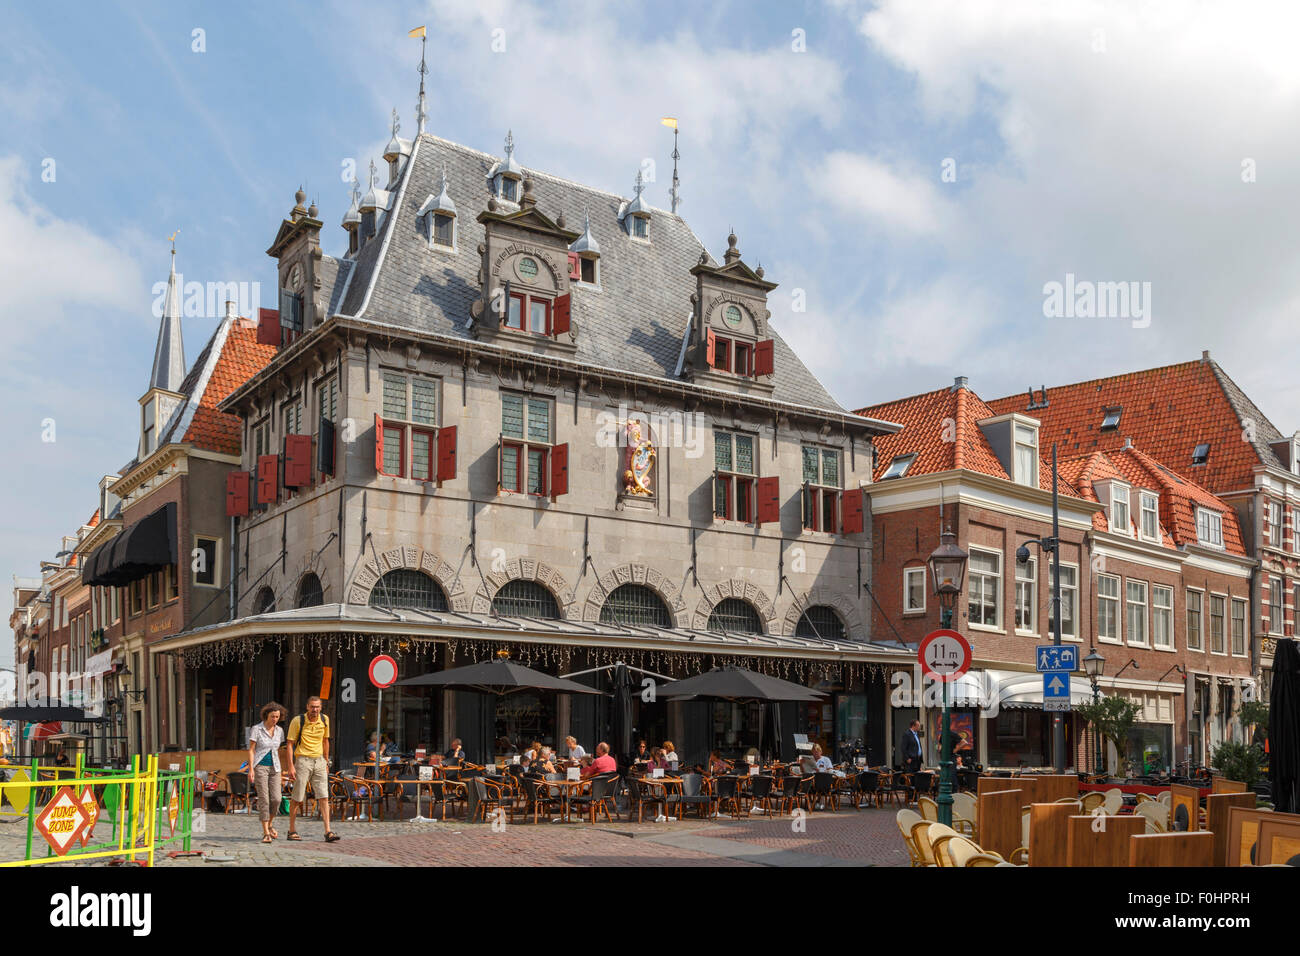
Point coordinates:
[[1016, 739], [1150, 748]]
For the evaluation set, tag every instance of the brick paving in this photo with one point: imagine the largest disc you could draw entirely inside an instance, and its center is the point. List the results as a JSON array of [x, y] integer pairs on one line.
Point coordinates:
[[866, 837]]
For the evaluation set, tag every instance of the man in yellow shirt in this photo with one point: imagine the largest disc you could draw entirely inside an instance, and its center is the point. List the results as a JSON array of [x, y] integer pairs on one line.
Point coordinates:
[[309, 756]]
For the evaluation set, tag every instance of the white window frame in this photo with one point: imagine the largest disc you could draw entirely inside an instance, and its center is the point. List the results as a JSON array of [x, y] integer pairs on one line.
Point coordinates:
[[1073, 591], [1026, 579], [1276, 604], [1031, 479], [1117, 526], [997, 591], [1226, 626], [1244, 605], [908, 575], [216, 569], [1164, 612], [900, 462], [1209, 528], [1117, 600], [1199, 646], [1273, 523], [1151, 499], [1130, 605]]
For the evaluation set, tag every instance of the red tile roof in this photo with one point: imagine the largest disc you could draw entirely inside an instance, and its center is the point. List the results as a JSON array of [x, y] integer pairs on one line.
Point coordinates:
[[241, 358], [942, 429], [1166, 411]]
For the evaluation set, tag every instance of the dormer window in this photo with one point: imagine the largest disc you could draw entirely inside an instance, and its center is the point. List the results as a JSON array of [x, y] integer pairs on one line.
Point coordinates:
[[444, 230], [1111, 419], [898, 466], [1150, 517], [1209, 528], [437, 217], [508, 188], [635, 215], [1201, 453], [1119, 513], [640, 227], [584, 256], [1026, 455], [149, 427], [537, 311]]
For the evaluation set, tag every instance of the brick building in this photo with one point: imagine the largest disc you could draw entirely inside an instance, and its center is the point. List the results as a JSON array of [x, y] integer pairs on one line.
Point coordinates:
[[1129, 559]]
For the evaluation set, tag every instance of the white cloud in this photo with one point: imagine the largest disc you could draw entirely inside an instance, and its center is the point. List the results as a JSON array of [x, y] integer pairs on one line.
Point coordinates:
[[860, 185]]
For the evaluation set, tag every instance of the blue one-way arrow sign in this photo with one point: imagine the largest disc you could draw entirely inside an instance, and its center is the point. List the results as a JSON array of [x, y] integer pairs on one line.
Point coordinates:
[[1056, 692], [1053, 658]]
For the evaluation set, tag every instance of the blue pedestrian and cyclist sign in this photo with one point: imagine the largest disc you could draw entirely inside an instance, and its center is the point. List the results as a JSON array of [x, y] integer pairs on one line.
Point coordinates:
[[1053, 658], [1056, 692]]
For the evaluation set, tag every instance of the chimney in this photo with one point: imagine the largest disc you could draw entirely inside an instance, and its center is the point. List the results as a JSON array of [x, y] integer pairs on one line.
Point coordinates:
[[1205, 355], [959, 382], [230, 309], [1128, 443]]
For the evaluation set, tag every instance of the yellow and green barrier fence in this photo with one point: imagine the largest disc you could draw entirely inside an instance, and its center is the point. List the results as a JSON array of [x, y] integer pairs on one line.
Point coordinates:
[[87, 813]]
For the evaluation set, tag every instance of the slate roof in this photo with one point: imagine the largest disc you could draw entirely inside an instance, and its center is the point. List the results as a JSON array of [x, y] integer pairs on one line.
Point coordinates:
[[941, 428], [635, 321], [1167, 412], [230, 358]]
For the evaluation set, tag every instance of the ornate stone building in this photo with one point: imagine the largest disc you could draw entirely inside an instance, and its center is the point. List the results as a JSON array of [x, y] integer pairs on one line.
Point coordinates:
[[528, 417]]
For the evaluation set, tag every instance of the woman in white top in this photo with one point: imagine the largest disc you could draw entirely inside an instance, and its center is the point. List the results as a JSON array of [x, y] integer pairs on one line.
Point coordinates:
[[265, 739], [575, 749], [670, 755]]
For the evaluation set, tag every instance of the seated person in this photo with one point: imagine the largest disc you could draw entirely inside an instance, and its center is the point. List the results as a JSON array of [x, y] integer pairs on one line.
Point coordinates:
[[642, 753], [576, 753], [603, 762], [656, 761], [544, 762], [821, 762], [456, 753], [670, 755], [717, 764]]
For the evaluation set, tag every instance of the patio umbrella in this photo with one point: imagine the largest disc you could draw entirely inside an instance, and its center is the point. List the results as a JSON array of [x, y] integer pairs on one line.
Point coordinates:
[[1284, 728], [738, 684], [622, 711]]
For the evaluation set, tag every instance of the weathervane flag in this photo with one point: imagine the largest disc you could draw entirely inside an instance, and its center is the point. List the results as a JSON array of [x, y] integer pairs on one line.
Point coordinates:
[[417, 32], [670, 121]]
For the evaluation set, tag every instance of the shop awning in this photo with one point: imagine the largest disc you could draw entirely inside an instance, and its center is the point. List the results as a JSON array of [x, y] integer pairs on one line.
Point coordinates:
[[147, 546], [988, 689], [50, 714]]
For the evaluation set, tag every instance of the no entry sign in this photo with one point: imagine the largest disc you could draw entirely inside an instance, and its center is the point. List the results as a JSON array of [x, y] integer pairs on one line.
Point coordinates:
[[383, 671], [944, 655]]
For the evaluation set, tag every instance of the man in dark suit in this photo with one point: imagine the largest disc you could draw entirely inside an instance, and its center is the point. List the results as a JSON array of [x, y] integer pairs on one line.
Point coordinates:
[[912, 747]]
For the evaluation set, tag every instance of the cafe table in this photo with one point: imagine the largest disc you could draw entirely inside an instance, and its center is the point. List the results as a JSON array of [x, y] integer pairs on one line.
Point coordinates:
[[567, 788], [670, 785]]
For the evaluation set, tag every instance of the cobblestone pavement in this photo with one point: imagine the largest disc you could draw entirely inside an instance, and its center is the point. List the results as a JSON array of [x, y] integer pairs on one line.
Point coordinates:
[[867, 837]]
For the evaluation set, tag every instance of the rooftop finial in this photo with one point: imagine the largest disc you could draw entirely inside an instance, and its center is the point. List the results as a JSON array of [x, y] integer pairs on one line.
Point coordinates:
[[397, 124], [172, 240], [372, 173], [674, 193], [732, 253], [510, 144], [420, 112], [640, 182]]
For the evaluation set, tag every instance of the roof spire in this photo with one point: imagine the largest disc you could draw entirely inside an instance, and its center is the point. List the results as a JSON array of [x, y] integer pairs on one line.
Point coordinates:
[[674, 193], [640, 182], [169, 354], [510, 144], [420, 112]]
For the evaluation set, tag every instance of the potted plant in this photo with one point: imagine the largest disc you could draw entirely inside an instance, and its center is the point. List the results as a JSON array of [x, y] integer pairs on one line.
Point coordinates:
[[1113, 718]]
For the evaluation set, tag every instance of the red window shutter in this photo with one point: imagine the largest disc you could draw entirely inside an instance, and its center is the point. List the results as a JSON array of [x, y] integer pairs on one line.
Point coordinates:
[[237, 494], [575, 268], [446, 453], [297, 461], [560, 314], [764, 357], [769, 500], [854, 523], [560, 470], [710, 347], [268, 327], [379, 445], [268, 479]]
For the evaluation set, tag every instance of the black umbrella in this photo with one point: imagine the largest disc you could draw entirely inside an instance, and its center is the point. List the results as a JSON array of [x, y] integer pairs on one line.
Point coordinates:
[[496, 677], [739, 684], [622, 711], [1284, 728]]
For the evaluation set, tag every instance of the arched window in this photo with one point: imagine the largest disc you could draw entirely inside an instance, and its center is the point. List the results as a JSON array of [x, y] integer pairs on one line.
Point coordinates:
[[525, 599], [407, 588], [310, 593], [736, 616], [635, 605], [264, 603], [820, 622]]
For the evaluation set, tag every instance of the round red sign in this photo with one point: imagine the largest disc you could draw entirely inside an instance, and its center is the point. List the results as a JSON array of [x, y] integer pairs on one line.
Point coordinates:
[[383, 671], [944, 655]]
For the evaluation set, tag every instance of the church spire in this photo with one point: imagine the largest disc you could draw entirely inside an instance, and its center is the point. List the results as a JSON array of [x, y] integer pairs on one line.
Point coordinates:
[[169, 354]]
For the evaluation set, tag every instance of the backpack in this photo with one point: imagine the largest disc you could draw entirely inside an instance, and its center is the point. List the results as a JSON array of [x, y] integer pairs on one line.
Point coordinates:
[[302, 722]]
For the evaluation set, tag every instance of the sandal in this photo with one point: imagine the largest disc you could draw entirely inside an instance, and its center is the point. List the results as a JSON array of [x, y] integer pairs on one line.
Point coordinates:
[[332, 837], [275, 834], [266, 838], [293, 835]]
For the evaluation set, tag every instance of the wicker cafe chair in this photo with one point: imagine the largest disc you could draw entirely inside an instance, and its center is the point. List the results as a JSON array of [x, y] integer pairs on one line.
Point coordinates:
[[939, 835], [237, 793], [367, 792], [490, 796], [823, 792], [727, 794], [1114, 801], [965, 814], [1157, 815], [896, 788], [597, 798], [923, 782], [760, 792], [790, 796], [921, 838], [642, 796], [867, 786], [907, 820], [692, 795], [1092, 800], [961, 851], [928, 809]]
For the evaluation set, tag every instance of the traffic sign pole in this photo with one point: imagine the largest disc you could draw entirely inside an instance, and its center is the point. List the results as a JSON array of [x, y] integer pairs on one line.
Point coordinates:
[[951, 658]]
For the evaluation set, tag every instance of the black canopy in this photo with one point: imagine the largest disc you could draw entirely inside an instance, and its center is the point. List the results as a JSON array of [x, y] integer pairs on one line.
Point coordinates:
[[737, 683], [147, 546], [44, 715], [496, 677], [1284, 728]]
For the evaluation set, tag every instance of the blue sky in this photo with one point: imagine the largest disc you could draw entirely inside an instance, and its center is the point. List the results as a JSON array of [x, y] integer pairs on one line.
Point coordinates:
[[1147, 143]]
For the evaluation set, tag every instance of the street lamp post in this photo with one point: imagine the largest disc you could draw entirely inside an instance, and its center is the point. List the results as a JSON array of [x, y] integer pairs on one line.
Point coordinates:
[[1094, 665], [948, 570]]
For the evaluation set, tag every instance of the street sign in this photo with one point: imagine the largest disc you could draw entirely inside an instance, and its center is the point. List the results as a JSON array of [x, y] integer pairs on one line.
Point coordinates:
[[1056, 692], [90, 807], [383, 671], [944, 655], [62, 821], [1053, 657]]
